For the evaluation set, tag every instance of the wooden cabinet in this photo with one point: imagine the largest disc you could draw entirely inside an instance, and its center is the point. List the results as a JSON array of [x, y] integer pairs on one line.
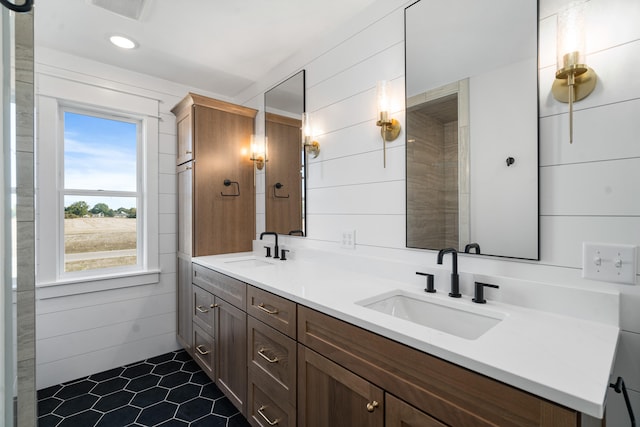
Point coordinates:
[[211, 137], [216, 194], [231, 341], [272, 357], [332, 396], [220, 331], [285, 364], [275, 311], [449, 393]]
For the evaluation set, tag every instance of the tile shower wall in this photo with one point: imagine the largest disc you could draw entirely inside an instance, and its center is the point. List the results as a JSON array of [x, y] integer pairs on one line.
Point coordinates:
[[588, 190], [79, 335]]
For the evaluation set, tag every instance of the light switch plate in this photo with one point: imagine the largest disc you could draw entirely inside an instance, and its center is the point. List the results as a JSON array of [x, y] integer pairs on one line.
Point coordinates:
[[348, 239], [609, 262]]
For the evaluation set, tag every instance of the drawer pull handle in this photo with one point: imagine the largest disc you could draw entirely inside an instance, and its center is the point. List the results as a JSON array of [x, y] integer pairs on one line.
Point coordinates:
[[266, 310], [267, 358], [201, 351], [271, 423], [201, 310], [371, 406]]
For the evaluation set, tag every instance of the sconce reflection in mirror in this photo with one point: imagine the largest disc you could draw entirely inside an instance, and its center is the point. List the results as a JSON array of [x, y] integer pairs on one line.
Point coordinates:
[[308, 144], [574, 79], [258, 156], [389, 128]]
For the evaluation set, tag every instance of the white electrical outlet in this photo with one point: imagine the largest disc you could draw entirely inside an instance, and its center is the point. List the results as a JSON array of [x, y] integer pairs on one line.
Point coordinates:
[[609, 263], [348, 239]]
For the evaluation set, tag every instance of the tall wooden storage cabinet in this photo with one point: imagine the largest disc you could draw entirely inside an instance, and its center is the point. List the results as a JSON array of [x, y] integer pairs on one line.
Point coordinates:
[[216, 193]]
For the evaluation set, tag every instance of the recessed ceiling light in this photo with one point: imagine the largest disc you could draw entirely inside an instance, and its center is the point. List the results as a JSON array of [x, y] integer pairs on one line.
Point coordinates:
[[123, 42]]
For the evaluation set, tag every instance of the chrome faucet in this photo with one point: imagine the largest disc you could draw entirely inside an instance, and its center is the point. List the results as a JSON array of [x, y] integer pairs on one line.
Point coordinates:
[[271, 233], [455, 288]]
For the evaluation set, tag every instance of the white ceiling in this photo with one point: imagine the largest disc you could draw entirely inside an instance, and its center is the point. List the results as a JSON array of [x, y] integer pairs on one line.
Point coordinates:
[[221, 46]]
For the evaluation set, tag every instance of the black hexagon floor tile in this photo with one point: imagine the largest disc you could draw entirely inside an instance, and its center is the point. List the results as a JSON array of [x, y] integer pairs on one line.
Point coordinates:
[[168, 390], [114, 401], [144, 382]]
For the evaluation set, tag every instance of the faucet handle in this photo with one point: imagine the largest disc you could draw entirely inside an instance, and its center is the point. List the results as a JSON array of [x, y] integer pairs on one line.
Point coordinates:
[[268, 248], [479, 292], [283, 256], [429, 277]]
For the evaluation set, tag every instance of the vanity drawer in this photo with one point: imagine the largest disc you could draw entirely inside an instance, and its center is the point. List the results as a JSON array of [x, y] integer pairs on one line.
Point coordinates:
[[229, 289], [272, 361], [203, 350], [265, 412], [203, 309], [275, 311]]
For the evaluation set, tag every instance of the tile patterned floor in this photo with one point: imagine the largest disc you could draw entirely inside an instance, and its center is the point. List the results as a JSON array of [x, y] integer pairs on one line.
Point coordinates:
[[167, 390]]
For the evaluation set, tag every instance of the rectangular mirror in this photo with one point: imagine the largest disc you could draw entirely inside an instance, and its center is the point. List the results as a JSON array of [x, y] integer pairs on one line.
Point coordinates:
[[472, 126], [285, 183]]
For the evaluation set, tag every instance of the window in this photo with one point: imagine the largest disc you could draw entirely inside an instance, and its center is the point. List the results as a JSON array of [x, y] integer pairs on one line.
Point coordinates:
[[97, 196], [101, 192]]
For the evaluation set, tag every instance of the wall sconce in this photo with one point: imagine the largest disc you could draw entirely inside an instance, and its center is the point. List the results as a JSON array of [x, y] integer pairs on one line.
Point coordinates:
[[574, 80], [258, 156], [308, 144], [389, 128]]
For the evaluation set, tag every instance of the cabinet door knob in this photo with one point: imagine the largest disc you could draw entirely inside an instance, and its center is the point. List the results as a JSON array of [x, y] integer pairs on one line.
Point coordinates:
[[214, 306], [371, 406], [262, 307], [271, 423]]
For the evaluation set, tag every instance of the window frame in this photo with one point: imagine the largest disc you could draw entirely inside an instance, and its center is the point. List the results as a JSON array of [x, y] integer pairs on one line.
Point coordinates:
[[52, 94], [139, 194]]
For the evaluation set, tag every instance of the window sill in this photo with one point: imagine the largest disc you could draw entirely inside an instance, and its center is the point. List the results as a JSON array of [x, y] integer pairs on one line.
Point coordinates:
[[85, 285]]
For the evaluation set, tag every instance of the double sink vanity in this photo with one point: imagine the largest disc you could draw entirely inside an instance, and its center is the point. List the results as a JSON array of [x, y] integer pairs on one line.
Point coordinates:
[[319, 340]]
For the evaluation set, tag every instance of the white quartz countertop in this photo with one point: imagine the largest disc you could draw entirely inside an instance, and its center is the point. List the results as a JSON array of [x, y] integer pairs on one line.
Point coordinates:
[[561, 358]]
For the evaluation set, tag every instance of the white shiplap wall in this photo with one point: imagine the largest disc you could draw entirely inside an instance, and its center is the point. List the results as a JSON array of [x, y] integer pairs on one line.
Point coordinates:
[[82, 334], [589, 191]]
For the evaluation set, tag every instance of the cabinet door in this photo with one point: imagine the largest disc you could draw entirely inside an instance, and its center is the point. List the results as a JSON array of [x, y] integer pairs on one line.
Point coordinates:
[[183, 299], [224, 216], [231, 342], [331, 396], [401, 414], [185, 138], [185, 199]]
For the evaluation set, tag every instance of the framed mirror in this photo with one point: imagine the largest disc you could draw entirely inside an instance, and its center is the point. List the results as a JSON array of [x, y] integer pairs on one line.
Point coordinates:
[[472, 126], [285, 181]]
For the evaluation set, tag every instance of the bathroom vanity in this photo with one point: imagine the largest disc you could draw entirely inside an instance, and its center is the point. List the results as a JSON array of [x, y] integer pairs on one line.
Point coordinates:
[[292, 344]]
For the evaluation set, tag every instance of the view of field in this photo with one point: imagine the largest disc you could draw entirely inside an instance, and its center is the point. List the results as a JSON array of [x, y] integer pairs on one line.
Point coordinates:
[[91, 243]]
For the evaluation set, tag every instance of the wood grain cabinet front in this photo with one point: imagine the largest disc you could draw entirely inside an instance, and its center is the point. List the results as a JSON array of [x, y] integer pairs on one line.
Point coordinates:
[[204, 350], [220, 331], [275, 311], [265, 411], [401, 414], [231, 345], [332, 396], [272, 361], [449, 393]]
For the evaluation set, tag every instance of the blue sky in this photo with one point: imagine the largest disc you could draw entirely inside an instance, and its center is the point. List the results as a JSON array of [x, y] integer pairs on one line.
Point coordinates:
[[99, 154]]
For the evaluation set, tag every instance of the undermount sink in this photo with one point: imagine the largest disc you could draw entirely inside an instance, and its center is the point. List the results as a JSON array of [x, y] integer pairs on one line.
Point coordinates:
[[456, 321], [249, 261]]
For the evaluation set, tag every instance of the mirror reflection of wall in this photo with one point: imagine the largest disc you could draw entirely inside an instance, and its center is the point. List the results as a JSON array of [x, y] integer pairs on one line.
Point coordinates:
[[471, 87], [284, 182]]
